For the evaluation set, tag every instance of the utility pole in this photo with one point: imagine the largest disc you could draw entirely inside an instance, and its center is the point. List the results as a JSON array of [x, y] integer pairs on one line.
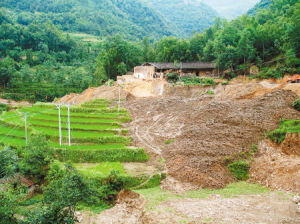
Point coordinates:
[[26, 128], [119, 99], [69, 125], [59, 123]]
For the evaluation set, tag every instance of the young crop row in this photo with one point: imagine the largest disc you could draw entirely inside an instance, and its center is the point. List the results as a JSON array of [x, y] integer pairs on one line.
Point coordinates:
[[80, 127], [54, 112], [102, 155]]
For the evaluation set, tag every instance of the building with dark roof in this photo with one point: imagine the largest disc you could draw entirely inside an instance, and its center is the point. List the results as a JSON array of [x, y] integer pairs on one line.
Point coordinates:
[[152, 70]]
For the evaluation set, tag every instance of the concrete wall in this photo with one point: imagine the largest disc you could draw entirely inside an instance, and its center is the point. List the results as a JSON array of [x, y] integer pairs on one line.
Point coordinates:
[[144, 72]]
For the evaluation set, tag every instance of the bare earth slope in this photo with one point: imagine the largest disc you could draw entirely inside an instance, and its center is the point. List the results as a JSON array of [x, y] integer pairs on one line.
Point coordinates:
[[206, 130]]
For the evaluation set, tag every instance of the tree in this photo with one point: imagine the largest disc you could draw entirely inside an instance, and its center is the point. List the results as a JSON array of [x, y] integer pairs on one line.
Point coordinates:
[[8, 206], [116, 57], [148, 51], [245, 46], [8, 163], [36, 158], [7, 70], [65, 190]]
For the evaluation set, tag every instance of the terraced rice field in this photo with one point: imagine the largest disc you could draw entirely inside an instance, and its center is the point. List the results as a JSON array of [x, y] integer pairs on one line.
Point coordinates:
[[99, 141]]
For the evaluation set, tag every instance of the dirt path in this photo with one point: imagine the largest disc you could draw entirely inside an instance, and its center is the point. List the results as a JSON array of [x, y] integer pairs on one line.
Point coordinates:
[[251, 209], [264, 208]]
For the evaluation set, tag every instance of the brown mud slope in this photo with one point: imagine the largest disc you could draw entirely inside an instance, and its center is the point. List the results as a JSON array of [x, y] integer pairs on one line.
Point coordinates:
[[206, 129], [278, 167], [102, 92]]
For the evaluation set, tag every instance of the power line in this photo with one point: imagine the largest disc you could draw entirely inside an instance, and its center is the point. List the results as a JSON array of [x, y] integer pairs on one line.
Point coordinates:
[[8, 133]]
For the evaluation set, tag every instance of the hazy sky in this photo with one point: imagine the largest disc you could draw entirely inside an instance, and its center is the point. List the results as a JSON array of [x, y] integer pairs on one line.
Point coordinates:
[[231, 8]]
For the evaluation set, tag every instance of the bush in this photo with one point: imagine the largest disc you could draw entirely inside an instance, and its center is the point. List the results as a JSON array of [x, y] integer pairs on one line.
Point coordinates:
[[8, 206], [110, 82], [172, 77], [65, 190], [296, 104], [36, 158], [240, 169], [210, 92], [209, 82], [8, 162], [277, 136], [225, 83], [169, 141]]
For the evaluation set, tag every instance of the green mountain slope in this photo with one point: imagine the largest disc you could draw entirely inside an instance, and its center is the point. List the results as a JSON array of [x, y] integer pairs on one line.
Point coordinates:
[[186, 15], [261, 5], [131, 19]]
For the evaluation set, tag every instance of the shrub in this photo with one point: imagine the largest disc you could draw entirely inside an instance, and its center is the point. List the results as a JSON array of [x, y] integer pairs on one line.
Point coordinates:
[[169, 141], [277, 136], [36, 158], [225, 83], [296, 104], [8, 206], [240, 169], [110, 82], [210, 92], [65, 190], [124, 131], [209, 82], [253, 148], [172, 77], [8, 162]]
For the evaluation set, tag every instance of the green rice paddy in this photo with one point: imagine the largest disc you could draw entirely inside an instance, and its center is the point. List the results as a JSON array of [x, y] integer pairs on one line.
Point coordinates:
[[99, 142]]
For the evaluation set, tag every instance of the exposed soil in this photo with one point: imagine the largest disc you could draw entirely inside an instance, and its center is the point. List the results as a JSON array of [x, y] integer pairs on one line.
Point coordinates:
[[271, 208], [276, 169], [15, 103], [206, 129], [102, 92], [207, 132]]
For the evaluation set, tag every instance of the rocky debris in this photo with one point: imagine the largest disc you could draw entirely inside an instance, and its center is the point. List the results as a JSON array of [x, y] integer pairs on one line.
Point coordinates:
[[102, 92], [129, 209], [79, 217], [34, 190], [296, 199], [291, 144], [206, 131], [275, 169]]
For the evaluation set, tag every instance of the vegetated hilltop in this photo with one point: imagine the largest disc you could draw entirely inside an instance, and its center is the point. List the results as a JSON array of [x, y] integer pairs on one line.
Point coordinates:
[[131, 19], [230, 9], [261, 5], [188, 16]]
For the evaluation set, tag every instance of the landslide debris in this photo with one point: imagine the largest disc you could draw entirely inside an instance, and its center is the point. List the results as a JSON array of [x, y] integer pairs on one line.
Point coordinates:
[[207, 130], [278, 167]]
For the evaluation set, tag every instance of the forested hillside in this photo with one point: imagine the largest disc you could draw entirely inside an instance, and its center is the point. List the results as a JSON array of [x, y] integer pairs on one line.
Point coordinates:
[[261, 5], [186, 16], [131, 19], [40, 62], [263, 40]]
